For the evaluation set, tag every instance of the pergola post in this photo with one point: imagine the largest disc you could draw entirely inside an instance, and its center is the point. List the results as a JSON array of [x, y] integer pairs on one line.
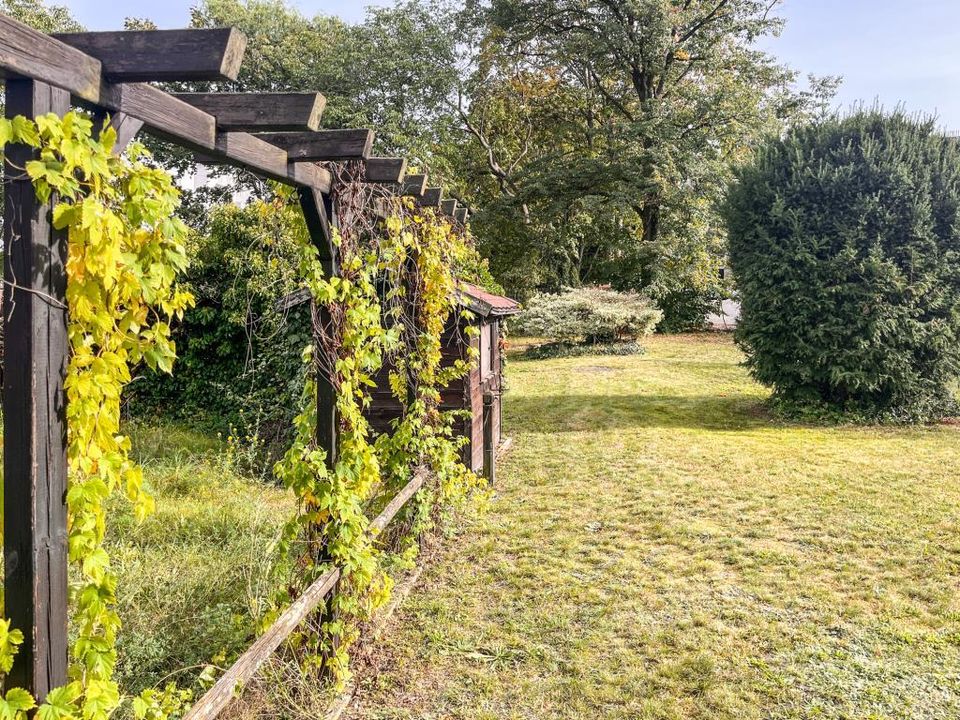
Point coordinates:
[[34, 411], [318, 211]]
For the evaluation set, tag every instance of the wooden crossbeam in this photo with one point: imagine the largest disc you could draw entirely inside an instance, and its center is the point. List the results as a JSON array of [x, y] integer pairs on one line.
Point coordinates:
[[29, 53], [163, 55], [412, 186], [25, 52], [385, 170], [448, 207], [432, 197], [310, 175], [331, 145], [162, 114], [253, 112]]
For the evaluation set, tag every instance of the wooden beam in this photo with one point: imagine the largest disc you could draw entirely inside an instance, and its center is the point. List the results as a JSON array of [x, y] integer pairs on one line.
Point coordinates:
[[34, 411], [412, 186], [461, 215], [489, 442], [26, 52], [448, 207], [163, 55], [252, 112], [379, 523], [247, 665], [432, 197], [246, 150], [385, 170], [311, 175], [29, 53], [299, 174], [329, 145], [162, 114], [316, 212], [127, 128]]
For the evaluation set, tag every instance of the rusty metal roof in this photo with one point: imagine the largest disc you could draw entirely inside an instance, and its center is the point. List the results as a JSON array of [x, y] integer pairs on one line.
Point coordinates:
[[486, 303]]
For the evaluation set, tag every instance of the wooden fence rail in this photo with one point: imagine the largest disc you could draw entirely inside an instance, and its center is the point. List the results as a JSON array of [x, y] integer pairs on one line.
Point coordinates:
[[247, 665]]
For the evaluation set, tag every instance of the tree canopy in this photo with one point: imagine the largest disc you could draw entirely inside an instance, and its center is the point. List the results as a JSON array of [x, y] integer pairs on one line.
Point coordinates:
[[592, 138]]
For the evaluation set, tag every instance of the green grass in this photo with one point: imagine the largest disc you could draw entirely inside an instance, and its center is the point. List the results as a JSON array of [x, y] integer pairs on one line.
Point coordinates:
[[659, 547], [192, 576]]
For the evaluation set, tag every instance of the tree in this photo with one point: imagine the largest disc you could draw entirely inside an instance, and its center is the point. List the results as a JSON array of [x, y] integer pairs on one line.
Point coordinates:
[[650, 104], [845, 242], [41, 16]]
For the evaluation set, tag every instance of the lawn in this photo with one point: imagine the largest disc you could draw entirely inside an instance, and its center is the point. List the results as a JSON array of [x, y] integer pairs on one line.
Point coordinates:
[[660, 547]]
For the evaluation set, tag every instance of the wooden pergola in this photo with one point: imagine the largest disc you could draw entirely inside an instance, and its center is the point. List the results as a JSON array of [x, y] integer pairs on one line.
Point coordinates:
[[274, 135]]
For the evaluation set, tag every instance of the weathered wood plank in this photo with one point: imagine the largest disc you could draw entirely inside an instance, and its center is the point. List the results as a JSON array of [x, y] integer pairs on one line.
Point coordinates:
[[329, 145], [127, 128], [34, 412], [432, 197], [299, 174], [489, 442], [412, 186], [163, 55], [246, 150], [379, 523], [252, 112], [385, 170], [162, 114], [246, 666], [26, 52], [449, 207], [310, 175], [32, 54]]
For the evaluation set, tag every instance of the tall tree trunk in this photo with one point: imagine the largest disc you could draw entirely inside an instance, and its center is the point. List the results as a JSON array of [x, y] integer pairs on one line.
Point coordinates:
[[650, 216]]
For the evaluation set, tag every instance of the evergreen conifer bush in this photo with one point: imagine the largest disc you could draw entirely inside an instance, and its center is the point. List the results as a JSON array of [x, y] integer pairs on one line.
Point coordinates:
[[845, 243]]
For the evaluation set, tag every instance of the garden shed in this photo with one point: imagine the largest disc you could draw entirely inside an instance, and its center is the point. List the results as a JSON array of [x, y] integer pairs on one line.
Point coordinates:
[[480, 391]]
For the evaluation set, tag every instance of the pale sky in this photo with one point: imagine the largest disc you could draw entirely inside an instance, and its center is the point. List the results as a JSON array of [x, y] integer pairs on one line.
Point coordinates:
[[895, 51]]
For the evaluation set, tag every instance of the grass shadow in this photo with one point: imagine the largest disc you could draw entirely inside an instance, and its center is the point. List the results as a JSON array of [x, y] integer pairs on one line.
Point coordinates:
[[586, 413]]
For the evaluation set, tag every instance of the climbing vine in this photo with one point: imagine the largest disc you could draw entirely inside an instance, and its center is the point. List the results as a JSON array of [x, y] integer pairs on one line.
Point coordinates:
[[125, 252], [389, 305]]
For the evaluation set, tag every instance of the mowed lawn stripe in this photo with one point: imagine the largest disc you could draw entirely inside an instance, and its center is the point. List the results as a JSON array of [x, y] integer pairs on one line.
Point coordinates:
[[660, 547]]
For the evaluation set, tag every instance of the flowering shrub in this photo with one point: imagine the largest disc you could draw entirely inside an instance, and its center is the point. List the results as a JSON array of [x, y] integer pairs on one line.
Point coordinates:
[[590, 315]]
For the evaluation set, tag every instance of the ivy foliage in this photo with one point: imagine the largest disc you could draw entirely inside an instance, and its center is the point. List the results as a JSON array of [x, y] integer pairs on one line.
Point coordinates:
[[126, 250], [845, 242]]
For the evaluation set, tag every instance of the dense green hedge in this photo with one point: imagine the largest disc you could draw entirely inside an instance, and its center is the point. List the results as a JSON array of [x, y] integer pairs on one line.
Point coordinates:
[[844, 240], [239, 366]]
